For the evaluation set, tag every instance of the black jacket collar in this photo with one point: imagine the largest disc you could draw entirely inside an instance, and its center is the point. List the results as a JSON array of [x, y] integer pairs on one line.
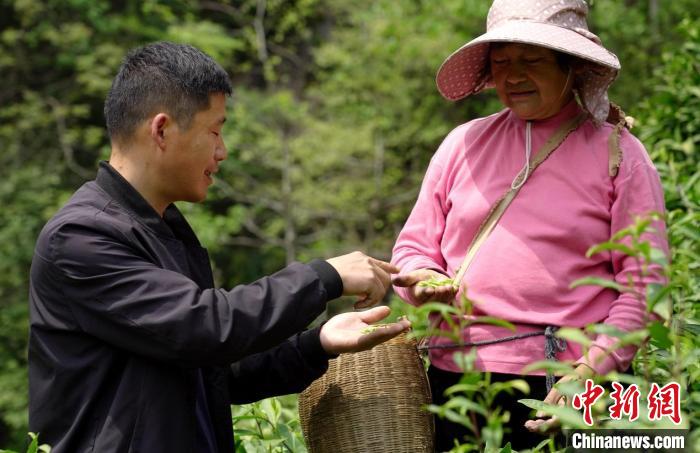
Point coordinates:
[[172, 224]]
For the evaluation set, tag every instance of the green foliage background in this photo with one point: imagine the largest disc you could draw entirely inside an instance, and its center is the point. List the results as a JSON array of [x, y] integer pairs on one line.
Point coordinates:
[[333, 120]]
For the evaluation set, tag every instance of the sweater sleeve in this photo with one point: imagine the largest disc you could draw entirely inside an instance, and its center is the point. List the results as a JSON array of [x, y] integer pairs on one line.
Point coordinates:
[[126, 300], [637, 193], [418, 245], [287, 368]]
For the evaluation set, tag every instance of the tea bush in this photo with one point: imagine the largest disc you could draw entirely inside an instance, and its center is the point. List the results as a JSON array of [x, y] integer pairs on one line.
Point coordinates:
[[669, 125]]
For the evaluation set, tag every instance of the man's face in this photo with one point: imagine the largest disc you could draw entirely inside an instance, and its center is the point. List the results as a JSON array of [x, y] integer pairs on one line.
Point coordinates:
[[529, 80], [194, 153]]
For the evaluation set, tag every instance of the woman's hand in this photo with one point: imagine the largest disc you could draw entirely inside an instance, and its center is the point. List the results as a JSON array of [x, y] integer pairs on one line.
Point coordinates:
[[444, 293], [546, 424]]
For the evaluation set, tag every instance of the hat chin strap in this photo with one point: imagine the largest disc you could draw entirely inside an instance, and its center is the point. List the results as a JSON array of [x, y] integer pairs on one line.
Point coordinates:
[[528, 152]]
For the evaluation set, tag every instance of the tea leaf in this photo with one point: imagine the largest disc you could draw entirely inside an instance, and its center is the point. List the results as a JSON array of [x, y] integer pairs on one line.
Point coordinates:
[[506, 449], [435, 282], [567, 415], [597, 281], [657, 293], [549, 365], [659, 335], [609, 246], [605, 329], [575, 335], [34, 445], [374, 327], [464, 404], [494, 321]]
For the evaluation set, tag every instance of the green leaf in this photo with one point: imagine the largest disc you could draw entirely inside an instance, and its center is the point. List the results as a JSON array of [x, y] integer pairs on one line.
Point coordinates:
[[518, 384], [626, 378], [286, 434], [606, 329], [657, 293], [575, 335], [435, 282], [34, 444], [690, 233], [451, 416], [506, 449], [542, 444], [659, 335], [246, 432], [658, 256], [597, 281], [664, 309], [464, 405], [692, 327], [635, 337], [570, 418], [608, 246], [569, 387], [462, 388], [494, 321], [549, 365]]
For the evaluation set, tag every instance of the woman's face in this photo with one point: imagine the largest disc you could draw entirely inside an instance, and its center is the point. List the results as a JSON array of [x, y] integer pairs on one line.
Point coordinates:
[[529, 80]]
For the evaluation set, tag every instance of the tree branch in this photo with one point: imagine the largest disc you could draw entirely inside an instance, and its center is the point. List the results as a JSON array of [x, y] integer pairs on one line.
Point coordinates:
[[289, 55], [235, 195], [229, 10], [244, 241], [67, 149], [259, 26], [257, 231]]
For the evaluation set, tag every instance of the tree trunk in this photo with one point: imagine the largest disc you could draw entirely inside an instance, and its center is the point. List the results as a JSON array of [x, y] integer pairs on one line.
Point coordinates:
[[290, 233]]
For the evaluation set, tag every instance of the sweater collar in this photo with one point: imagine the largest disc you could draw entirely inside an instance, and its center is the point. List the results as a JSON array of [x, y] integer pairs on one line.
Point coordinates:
[[172, 224]]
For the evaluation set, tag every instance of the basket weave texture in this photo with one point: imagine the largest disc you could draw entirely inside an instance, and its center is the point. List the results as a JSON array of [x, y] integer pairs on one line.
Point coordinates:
[[370, 402]]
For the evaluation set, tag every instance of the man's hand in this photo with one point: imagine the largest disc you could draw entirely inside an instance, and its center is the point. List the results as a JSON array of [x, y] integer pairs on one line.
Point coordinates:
[[546, 424], [344, 332], [364, 276], [422, 294]]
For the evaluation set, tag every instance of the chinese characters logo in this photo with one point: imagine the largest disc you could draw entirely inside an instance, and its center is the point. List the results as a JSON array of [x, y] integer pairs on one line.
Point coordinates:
[[661, 401]]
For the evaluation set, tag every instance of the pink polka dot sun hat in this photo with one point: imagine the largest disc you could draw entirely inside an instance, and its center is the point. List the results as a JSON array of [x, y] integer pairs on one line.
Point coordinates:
[[559, 25]]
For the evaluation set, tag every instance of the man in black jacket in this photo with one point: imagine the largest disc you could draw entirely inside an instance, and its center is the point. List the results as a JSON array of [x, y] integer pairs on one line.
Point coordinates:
[[131, 347]]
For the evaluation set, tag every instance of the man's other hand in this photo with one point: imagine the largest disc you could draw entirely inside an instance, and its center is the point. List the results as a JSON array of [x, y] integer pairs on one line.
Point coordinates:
[[352, 332], [364, 276]]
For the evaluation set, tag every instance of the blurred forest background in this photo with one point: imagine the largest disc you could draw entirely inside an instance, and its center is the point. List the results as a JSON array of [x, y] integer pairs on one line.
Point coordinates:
[[334, 118]]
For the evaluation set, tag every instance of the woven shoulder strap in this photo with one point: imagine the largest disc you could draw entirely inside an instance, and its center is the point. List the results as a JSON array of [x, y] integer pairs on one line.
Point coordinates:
[[500, 206], [617, 118]]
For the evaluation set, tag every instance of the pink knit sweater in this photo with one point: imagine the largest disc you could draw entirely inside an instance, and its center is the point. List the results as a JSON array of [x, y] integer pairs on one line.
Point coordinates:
[[524, 270]]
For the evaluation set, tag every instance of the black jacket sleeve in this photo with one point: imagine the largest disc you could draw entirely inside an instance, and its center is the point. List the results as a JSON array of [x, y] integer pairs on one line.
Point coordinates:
[[287, 368], [123, 298]]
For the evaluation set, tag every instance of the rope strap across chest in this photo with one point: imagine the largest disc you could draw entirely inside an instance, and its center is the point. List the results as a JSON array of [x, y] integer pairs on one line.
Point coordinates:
[[499, 208]]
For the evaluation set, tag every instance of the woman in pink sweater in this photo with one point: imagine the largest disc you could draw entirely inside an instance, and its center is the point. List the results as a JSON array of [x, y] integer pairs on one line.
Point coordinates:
[[548, 70]]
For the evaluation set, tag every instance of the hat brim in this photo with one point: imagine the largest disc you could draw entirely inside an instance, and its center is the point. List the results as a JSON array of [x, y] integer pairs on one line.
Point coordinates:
[[464, 72]]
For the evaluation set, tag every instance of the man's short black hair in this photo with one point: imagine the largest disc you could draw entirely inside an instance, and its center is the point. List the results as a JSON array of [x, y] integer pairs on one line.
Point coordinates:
[[174, 78]]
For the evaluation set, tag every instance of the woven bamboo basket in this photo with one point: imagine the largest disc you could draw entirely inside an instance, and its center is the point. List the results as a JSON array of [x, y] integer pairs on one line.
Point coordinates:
[[370, 402]]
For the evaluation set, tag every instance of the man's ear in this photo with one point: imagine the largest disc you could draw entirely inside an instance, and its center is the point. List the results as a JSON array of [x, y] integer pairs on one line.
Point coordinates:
[[159, 125]]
